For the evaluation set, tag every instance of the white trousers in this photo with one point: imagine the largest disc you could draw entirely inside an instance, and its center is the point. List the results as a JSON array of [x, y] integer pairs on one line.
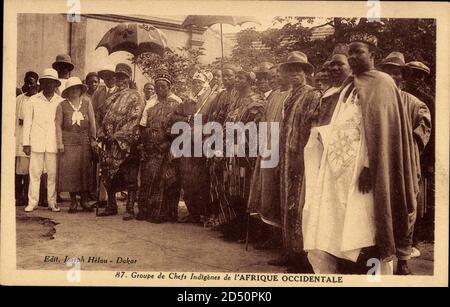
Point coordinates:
[[41, 162], [325, 263]]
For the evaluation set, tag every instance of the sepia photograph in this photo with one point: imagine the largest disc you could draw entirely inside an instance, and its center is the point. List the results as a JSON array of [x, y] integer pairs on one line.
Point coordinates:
[[173, 145]]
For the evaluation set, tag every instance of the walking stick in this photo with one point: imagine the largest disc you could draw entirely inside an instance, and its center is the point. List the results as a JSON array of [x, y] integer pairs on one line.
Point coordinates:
[[58, 158], [205, 100], [99, 181], [247, 231], [98, 190]]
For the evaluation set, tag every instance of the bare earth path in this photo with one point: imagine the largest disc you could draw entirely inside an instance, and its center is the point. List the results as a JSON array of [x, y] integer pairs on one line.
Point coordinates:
[[155, 247], [149, 247]]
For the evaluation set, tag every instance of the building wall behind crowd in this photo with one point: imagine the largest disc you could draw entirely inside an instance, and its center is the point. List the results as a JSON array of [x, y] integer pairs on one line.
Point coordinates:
[[211, 38], [43, 36], [40, 38]]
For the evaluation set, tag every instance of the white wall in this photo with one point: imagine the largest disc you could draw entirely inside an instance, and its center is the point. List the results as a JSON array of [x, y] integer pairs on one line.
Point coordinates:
[[212, 45], [40, 38]]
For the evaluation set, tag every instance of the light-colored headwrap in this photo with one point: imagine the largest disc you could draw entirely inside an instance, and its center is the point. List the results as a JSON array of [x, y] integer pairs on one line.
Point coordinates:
[[204, 79], [209, 76], [200, 76]]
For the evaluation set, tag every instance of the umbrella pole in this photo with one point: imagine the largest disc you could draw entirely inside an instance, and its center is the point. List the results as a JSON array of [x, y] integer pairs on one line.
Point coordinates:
[[221, 45]]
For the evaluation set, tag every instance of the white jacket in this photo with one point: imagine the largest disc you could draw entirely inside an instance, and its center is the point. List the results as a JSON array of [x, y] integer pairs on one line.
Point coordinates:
[[39, 128]]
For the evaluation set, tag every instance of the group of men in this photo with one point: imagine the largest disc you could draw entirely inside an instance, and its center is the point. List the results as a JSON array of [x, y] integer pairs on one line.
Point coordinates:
[[347, 187], [35, 133], [351, 168]]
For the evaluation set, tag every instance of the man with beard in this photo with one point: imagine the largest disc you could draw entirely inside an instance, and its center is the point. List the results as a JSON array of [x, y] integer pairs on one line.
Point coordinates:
[[361, 182], [298, 114], [420, 121], [119, 133], [339, 72]]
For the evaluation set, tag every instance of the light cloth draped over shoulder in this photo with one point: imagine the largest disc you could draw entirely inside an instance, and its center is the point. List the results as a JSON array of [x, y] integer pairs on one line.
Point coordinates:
[[172, 99], [337, 217]]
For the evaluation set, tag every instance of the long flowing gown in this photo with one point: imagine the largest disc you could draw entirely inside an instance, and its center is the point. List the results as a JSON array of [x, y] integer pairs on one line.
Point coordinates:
[[337, 217], [425, 228], [160, 183], [298, 116], [249, 108], [264, 199], [119, 161], [420, 118], [220, 208], [194, 172], [100, 103]]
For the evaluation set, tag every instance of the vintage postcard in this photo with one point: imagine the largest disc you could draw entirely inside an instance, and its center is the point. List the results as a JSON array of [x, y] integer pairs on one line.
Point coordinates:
[[225, 143]]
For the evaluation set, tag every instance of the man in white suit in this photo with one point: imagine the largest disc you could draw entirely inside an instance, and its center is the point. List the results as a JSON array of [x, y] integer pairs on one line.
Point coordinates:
[[39, 139]]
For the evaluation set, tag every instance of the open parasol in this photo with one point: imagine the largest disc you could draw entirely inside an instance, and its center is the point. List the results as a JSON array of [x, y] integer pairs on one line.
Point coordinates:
[[134, 38], [209, 20]]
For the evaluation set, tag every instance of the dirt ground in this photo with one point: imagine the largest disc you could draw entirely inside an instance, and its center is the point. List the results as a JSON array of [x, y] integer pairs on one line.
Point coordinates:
[[148, 247], [45, 239]]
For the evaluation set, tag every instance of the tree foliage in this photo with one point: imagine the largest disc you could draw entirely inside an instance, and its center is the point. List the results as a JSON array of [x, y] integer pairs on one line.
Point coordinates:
[[180, 65], [415, 38]]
